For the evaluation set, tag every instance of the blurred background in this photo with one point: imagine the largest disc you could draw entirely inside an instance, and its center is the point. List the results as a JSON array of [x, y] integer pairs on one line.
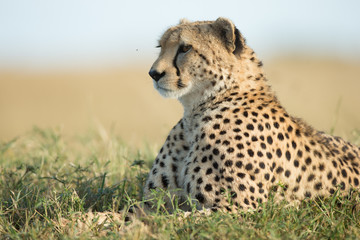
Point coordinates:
[[82, 64]]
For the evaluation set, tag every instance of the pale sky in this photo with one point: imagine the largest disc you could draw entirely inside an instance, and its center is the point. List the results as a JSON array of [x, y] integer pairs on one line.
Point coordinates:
[[65, 32]]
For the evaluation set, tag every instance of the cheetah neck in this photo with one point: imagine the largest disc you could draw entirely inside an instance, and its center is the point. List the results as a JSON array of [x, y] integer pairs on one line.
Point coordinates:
[[246, 74]]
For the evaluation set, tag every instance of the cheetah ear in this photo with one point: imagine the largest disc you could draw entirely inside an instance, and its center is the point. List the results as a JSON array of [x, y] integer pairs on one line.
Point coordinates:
[[230, 35], [184, 21]]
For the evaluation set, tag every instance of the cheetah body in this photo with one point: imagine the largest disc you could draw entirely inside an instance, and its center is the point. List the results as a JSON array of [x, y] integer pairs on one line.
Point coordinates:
[[235, 143]]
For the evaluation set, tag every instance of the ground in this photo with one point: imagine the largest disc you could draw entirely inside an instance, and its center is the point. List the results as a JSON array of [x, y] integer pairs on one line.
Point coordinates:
[[49, 181]]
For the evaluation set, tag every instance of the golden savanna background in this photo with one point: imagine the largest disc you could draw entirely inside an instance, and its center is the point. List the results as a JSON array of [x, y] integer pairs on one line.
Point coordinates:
[[104, 85]]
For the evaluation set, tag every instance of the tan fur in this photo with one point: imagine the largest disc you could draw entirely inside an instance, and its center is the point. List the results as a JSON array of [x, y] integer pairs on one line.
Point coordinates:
[[236, 143]]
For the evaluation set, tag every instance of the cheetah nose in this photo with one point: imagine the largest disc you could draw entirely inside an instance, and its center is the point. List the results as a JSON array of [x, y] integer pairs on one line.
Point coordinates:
[[156, 75]]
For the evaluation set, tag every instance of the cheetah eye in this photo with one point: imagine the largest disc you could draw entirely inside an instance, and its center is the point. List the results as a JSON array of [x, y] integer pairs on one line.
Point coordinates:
[[184, 48]]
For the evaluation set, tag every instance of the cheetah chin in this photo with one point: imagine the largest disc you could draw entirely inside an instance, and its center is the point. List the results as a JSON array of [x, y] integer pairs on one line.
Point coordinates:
[[235, 144], [169, 93]]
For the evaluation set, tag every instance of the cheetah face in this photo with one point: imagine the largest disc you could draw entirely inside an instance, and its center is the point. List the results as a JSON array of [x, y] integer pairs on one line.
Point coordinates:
[[189, 62]]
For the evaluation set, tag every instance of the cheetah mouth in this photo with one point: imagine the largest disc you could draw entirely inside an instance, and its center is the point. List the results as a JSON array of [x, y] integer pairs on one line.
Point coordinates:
[[162, 88]]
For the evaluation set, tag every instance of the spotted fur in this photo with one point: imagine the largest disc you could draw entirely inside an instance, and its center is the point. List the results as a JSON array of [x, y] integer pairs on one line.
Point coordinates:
[[236, 143]]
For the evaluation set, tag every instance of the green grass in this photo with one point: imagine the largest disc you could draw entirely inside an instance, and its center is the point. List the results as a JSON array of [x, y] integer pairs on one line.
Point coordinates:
[[48, 183]]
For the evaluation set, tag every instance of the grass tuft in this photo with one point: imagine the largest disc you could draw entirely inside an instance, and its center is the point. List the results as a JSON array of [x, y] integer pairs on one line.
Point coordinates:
[[56, 187]]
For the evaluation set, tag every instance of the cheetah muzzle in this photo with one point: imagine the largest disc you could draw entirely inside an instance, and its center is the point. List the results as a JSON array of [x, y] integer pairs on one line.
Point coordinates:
[[236, 143]]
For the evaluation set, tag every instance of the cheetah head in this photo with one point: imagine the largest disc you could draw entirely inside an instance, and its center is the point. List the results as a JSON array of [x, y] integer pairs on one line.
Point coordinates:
[[195, 56]]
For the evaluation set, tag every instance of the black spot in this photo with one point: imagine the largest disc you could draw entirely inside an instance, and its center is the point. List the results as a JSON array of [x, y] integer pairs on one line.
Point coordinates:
[[204, 159], [250, 127], [344, 173], [300, 153], [207, 119], [209, 171], [197, 169], [238, 122], [262, 165], [208, 187], [242, 187], [329, 175], [334, 182], [334, 164], [318, 186], [229, 179], [164, 180], [342, 186], [188, 187], [236, 110], [307, 194], [269, 155], [269, 139], [356, 181], [216, 126], [200, 197], [240, 146], [308, 161], [296, 163], [250, 152], [216, 151], [228, 163], [154, 171], [276, 125], [239, 164], [230, 150], [215, 165], [267, 176], [240, 175], [226, 143], [174, 167], [151, 185], [311, 177], [288, 155], [287, 173], [278, 152], [290, 128], [280, 136], [249, 166], [279, 170]]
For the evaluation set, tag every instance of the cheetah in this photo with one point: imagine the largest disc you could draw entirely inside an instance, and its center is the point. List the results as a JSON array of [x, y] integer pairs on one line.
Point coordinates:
[[235, 143]]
